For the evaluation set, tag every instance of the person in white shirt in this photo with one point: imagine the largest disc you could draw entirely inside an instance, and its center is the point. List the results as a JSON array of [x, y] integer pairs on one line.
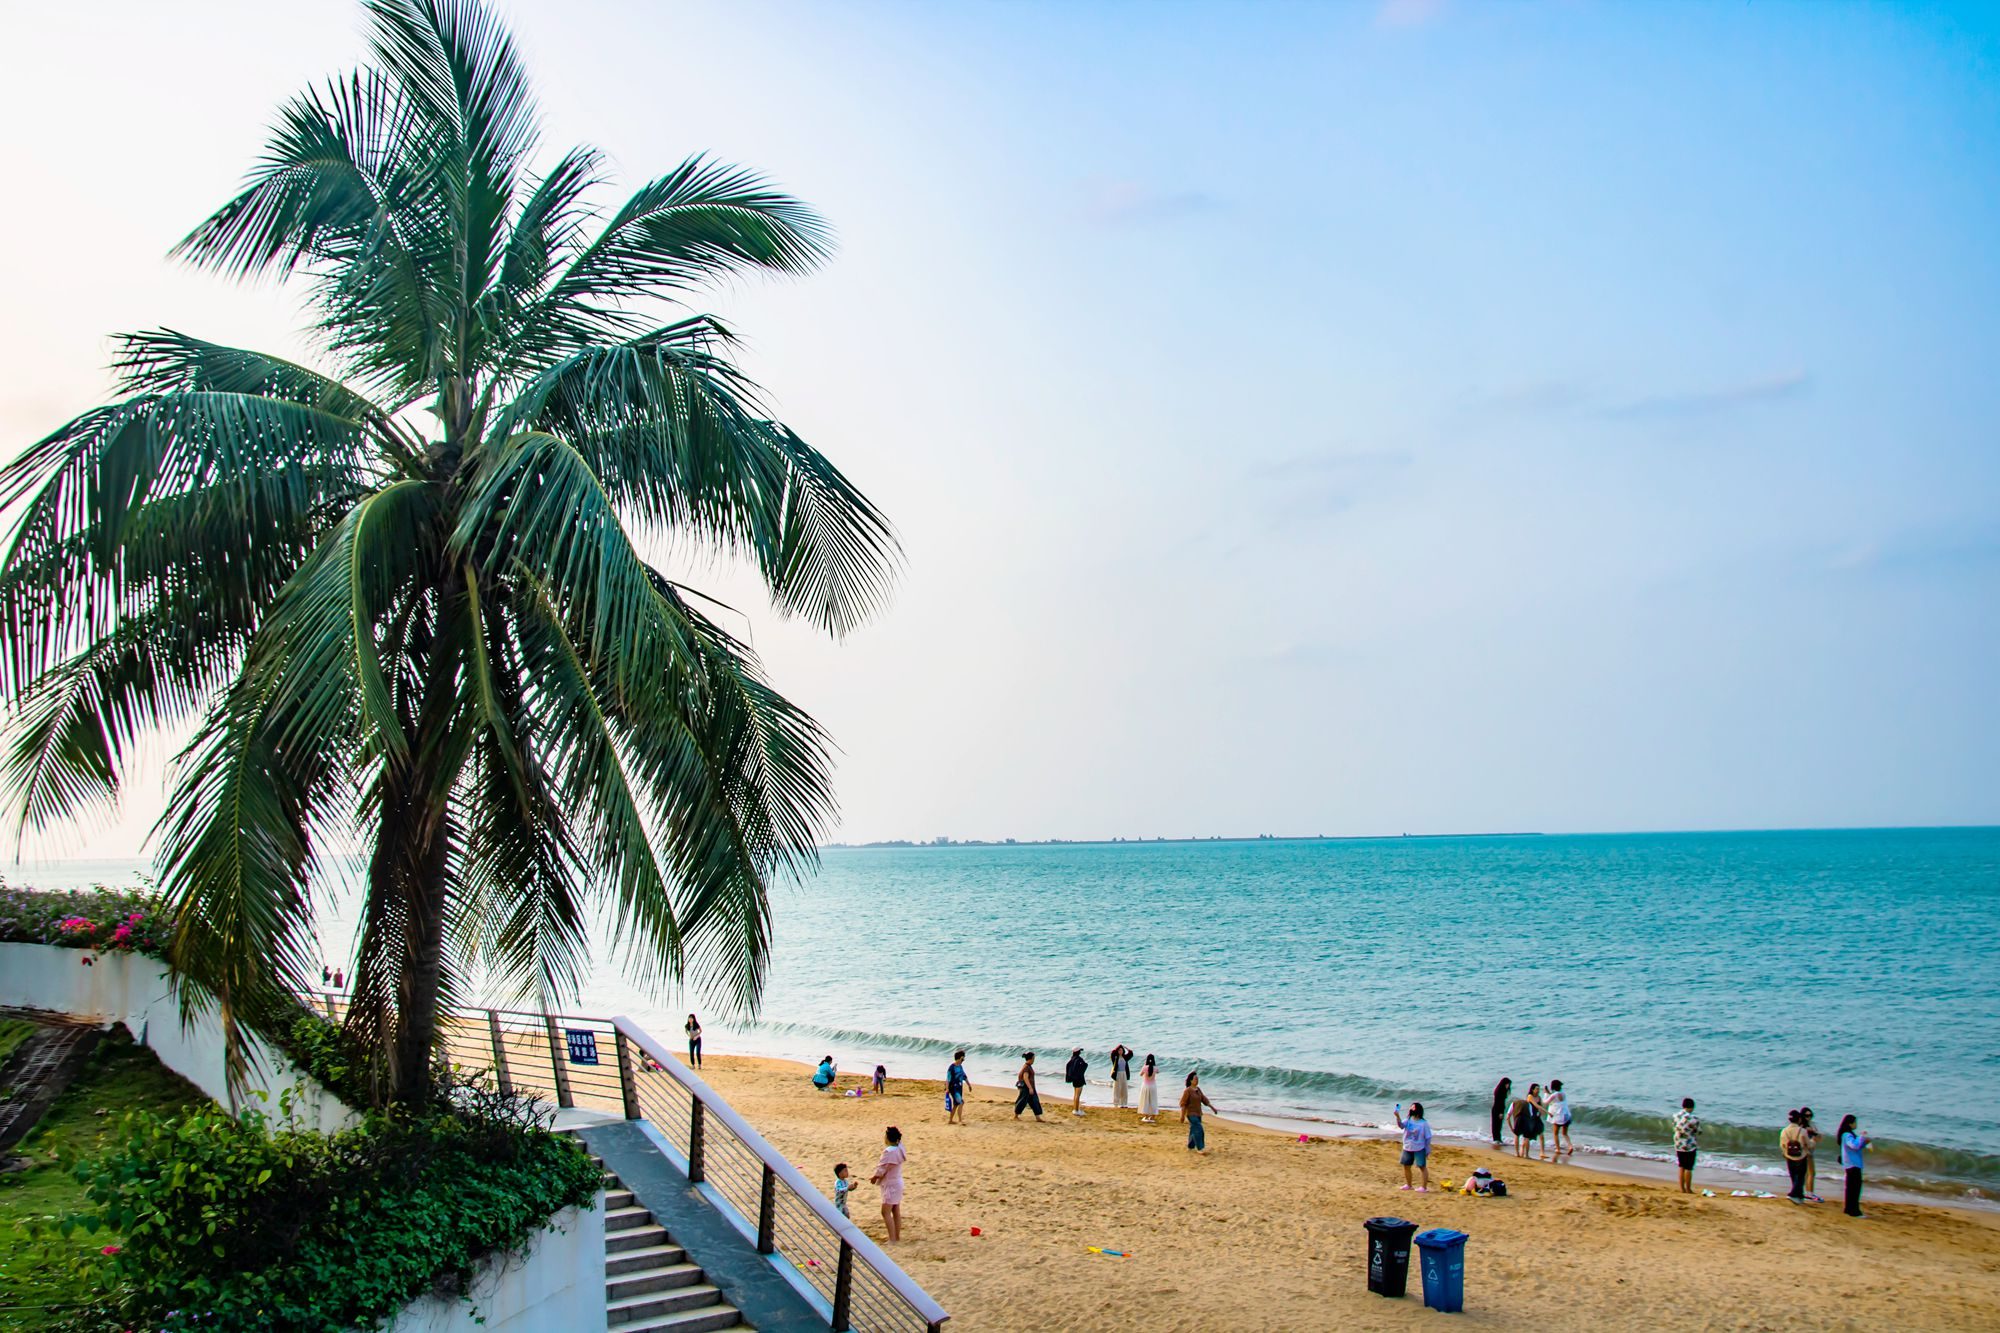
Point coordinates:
[[1416, 1145], [1559, 1117]]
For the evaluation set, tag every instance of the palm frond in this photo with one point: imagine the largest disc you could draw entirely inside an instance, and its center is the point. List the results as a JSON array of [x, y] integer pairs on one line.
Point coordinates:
[[701, 221]]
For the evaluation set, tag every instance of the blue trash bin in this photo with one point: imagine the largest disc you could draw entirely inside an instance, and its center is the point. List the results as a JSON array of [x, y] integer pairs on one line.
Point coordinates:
[[1441, 1252]]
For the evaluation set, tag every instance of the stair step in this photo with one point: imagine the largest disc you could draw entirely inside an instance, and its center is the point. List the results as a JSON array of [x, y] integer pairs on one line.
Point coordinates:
[[640, 1261], [619, 1199], [698, 1295], [664, 1278], [624, 1219], [637, 1238], [689, 1321]]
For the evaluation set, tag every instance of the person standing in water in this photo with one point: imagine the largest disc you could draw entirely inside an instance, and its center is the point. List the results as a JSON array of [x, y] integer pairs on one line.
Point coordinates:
[[1149, 1092], [1416, 1145], [1025, 1096], [889, 1176], [693, 1027], [1559, 1118], [1853, 1144], [1121, 1076], [1501, 1092], [1687, 1142], [1074, 1074], [955, 1083], [1192, 1100]]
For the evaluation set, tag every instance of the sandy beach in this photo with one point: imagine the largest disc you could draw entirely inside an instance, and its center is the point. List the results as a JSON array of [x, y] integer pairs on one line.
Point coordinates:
[[1265, 1233]]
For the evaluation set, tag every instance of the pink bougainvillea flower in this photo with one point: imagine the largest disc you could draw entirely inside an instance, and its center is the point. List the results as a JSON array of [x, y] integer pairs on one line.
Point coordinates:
[[110, 1250]]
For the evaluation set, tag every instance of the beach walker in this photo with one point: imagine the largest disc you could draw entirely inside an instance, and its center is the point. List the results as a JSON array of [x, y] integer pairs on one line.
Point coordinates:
[[1441, 1255]]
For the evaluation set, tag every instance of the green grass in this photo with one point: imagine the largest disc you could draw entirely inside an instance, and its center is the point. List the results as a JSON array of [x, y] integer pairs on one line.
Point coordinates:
[[13, 1031], [120, 1077]]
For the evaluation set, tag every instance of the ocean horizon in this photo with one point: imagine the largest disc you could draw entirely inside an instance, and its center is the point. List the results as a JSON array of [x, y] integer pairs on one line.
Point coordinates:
[[1320, 981]]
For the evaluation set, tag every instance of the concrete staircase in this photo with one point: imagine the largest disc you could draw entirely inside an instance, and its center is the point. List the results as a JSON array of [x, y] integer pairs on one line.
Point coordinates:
[[649, 1285]]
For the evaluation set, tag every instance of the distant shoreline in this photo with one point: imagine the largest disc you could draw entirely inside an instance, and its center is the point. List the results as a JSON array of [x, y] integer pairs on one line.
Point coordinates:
[[1153, 842]]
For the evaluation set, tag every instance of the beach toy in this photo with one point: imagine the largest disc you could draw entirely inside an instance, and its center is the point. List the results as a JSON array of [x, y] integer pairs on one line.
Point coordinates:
[[1708, 1194], [1099, 1249], [975, 1231], [1305, 1138]]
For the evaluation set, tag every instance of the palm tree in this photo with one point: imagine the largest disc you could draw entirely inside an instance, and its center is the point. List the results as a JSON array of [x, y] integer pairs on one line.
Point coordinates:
[[436, 634]]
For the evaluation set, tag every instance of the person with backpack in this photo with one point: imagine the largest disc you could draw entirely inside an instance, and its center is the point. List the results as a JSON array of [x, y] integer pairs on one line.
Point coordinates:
[[1794, 1148], [1073, 1074]]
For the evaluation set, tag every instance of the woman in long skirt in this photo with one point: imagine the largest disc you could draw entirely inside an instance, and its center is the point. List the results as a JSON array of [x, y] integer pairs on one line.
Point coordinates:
[[1121, 1076], [1149, 1092]]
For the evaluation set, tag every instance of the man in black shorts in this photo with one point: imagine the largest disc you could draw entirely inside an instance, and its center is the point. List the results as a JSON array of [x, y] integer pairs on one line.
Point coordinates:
[[1687, 1141]]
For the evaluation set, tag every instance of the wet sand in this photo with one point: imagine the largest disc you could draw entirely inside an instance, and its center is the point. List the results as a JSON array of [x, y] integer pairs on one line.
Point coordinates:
[[1266, 1233]]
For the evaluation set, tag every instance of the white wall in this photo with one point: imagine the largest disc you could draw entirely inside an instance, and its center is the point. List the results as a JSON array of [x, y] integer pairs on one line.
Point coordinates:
[[559, 1285], [132, 989]]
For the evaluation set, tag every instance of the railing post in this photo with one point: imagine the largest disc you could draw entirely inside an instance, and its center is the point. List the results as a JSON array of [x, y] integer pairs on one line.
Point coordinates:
[[767, 1212], [695, 1116], [843, 1288], [499, 1053], [628, 1083], [558, 1061]]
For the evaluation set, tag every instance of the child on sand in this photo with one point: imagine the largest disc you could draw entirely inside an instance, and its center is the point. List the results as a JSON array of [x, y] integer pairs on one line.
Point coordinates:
[[1687, 1141], [889, 1175], [1025, 1096], [842, 1187], [1149, 1092], [954, 1090], [881, 1079], [1192, 1100], [1416, 1145]]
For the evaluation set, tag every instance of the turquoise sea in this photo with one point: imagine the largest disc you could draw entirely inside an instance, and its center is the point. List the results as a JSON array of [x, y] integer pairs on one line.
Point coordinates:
[[1323, 981]]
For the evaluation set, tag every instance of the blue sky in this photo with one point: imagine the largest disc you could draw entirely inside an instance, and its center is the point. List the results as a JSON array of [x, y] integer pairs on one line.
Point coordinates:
[[1300, 418]]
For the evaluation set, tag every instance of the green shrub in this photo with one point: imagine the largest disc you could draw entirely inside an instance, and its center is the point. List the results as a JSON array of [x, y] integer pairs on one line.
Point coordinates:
[[234, 1223]]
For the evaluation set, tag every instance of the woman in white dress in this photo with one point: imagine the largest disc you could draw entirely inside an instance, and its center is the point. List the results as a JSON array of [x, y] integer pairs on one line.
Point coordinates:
[[1149, 1092], [1121, 1076]]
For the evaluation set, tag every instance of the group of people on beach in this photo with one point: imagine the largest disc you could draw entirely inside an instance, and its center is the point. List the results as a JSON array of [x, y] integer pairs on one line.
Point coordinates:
[[1076, 1073], [1531, 1116]]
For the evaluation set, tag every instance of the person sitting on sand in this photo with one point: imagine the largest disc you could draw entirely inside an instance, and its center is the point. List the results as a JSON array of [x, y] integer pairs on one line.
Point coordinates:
[[1149, 1092], [1687, 1142], [1192, 1100], [1073, 1073], [1416, 1145], [881, 1079], [954, 1090], [824, 1076], [889, 1175], [1559, 1118], [1025, 1096]]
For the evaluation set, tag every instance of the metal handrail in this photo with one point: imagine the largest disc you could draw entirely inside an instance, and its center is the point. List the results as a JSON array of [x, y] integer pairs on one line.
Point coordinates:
[[541, 1039], [854, 1243]]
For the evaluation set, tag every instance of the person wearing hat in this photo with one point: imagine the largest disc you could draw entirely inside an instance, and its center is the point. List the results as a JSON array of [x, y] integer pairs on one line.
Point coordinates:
[[1074, 1075]]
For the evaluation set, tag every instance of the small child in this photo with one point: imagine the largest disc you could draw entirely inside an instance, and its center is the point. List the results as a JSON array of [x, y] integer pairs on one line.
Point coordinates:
[[881, 1079], [842, 1187]]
